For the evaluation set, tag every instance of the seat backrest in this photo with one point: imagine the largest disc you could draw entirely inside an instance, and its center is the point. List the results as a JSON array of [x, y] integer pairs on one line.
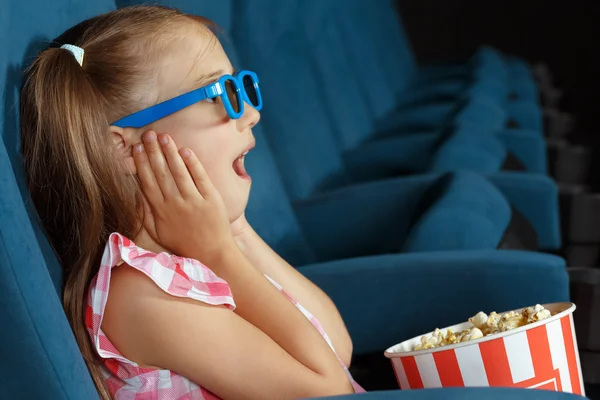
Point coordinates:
[[381, 80], [341, 92], [269, 210], [367, 69], [41, 358], [295, 120], [390, 44], [4, 38]]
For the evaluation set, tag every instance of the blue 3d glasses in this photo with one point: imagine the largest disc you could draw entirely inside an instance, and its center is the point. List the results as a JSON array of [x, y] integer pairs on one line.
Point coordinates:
[[234, 91]]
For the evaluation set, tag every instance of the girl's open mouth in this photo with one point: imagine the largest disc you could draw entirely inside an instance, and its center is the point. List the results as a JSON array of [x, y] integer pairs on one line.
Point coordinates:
[[240, 168]]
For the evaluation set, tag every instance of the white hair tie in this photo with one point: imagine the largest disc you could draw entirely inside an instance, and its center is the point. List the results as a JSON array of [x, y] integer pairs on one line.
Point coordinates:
[[76, 51]]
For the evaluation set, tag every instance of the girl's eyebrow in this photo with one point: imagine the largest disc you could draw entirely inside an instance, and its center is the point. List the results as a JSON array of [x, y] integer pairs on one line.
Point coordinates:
[[211, 77], [208, 78]]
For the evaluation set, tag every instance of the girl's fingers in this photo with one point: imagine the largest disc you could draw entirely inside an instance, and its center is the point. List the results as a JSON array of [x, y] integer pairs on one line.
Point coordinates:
[[198, 173], [159, 166], [146, 176], [182, 177], [147, 218]]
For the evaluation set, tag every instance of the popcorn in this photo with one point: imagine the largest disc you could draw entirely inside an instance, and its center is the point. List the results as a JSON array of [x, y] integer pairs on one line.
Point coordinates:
[[510, 321], [484, 325], [474, 333], [438, 338], [537, 313], [428, 342], [479, 319]]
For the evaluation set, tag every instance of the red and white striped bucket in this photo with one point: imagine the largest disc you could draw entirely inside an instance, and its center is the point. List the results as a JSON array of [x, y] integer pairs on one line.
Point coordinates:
[[542, 355]]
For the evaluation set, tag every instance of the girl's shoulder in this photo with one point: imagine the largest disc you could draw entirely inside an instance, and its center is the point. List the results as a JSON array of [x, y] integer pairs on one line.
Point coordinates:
[[120, 306], [134, 273], [177, 276]]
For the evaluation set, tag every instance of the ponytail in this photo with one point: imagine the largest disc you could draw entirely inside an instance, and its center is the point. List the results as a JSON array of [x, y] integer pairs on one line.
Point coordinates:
[[64, 136]]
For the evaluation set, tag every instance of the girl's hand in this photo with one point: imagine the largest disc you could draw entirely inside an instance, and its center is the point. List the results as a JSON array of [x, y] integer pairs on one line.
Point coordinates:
[[188, 215]]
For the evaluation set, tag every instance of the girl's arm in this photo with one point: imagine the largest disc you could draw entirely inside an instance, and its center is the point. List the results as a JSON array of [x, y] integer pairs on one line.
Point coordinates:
[[303, 290], [265, 349]]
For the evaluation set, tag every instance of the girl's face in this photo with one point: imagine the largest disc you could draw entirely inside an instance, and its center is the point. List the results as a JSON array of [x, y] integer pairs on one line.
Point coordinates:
[[219, 142]]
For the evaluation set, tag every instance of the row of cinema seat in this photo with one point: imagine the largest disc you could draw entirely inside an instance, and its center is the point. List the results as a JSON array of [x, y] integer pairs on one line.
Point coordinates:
[[422, 189]]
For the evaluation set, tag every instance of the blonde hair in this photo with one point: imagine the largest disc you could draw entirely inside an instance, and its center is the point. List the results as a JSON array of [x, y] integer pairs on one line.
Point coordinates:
[[74, 176]]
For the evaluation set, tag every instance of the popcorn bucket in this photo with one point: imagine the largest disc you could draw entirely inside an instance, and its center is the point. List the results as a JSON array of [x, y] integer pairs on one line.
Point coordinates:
[[541, 355]]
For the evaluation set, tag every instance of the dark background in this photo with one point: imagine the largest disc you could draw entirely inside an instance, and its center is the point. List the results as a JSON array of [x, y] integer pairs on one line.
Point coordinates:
[[564, 35]]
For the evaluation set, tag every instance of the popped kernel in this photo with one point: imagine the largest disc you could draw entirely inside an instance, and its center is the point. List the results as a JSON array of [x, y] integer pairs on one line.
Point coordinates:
[[484, 325]]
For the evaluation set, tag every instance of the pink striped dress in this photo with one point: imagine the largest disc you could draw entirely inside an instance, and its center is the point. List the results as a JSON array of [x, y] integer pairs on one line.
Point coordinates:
[[177, 276]]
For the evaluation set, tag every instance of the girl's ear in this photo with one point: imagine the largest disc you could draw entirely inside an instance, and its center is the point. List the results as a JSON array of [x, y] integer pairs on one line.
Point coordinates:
[[124, 139]]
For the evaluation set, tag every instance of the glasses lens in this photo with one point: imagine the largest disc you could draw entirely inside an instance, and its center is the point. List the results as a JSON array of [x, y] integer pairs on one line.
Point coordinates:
[[250, 90], [232, 93]]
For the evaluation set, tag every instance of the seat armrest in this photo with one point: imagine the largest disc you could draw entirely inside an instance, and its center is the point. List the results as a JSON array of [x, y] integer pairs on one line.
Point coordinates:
[[390, 298]]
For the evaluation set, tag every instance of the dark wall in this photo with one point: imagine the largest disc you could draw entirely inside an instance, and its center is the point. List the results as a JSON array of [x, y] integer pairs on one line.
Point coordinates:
[[565, 35]]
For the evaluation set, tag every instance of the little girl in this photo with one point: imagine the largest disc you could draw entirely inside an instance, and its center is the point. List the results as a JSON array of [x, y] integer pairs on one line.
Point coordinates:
[[169, 291]]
